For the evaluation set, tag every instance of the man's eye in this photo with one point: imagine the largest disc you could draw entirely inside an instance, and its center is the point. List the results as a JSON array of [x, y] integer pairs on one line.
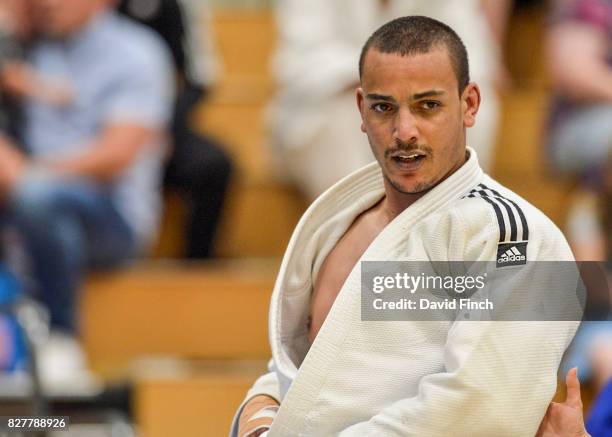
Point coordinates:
[[381, 107], [430, 105]]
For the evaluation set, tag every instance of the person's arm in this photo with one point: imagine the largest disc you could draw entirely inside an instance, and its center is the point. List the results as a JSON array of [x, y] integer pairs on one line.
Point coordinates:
[[565, 419], [257, 416], [114, 150], [12, 164], [264, 393], [135, 111], [134, 114], [498, 380], [577, 62]]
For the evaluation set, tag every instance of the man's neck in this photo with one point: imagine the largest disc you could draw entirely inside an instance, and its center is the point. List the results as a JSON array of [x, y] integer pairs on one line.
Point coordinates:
[[396, 202]]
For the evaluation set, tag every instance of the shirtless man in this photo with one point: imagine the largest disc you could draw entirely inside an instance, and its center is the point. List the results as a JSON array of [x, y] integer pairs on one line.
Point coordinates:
[[415, 122]]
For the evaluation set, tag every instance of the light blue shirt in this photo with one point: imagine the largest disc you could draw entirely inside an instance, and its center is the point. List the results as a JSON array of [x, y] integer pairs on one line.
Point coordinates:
[[117, 71]]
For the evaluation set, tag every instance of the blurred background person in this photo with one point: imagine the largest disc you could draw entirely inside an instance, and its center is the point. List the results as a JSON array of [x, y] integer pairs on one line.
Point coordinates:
[[579, 54], [315, 127], [16, 78], [198, 169], [86, 193], [580, 138]]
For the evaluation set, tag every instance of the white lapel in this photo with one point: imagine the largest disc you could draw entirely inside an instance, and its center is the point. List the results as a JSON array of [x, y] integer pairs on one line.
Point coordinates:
[[335, 211]]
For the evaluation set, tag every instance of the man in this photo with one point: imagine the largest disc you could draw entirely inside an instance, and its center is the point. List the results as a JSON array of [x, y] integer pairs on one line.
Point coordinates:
[[315, 130], [16, 30], [86, 194], [426, 199], [198, 167]]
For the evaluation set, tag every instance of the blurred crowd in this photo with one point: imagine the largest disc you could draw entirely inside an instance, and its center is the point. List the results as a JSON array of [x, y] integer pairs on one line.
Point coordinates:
[[95, 113], [579, 54], [96, 102]]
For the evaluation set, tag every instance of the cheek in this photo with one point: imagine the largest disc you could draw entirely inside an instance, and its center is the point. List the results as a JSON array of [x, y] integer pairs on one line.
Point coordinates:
[[445, 129], [379, 141]]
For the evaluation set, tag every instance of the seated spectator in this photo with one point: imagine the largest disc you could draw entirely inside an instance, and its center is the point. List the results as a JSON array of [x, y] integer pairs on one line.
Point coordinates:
[[199, 169], [580, 140], [580, 143], [86, 195], [15, 77]]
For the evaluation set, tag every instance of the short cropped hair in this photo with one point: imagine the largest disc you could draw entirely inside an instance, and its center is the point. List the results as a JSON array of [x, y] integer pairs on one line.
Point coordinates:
[[417, 34]]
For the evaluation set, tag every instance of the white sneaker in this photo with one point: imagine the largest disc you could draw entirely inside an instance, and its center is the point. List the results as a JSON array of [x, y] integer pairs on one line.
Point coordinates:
[[62, 368]]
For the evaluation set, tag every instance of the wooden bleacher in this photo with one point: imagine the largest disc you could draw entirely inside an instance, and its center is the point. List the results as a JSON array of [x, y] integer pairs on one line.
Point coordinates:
[[213, 318], [200, 402], [214, 311]]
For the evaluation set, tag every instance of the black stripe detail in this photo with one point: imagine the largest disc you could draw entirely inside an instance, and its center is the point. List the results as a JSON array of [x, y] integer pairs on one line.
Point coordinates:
[[498, 213], [520, 213], [493, 197], [508, 208], [513, 227]]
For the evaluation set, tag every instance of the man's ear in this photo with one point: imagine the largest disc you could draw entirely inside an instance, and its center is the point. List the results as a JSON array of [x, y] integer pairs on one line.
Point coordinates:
[[470, 103], [360, 105]]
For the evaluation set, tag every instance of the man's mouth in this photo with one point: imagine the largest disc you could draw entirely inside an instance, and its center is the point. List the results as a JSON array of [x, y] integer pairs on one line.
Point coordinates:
[[411, 157], [408, 160]]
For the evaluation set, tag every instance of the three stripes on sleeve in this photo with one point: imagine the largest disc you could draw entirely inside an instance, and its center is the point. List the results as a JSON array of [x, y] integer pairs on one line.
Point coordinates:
[[513, 227]]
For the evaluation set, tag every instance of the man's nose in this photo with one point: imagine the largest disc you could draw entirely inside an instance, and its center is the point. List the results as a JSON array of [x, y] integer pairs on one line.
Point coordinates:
[[405, 129]]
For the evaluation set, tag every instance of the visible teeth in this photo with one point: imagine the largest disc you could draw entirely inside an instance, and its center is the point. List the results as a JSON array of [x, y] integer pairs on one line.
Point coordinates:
[[414, 156]]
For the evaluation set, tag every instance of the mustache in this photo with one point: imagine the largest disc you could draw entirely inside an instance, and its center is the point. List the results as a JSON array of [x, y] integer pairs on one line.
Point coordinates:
[[408, 148]]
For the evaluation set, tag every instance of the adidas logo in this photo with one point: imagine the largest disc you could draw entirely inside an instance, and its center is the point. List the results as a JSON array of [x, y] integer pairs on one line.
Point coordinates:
[[511, 254]]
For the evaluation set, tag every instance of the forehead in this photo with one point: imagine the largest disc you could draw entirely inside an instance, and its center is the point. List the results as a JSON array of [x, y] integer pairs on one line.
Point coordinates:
[[390, 73]]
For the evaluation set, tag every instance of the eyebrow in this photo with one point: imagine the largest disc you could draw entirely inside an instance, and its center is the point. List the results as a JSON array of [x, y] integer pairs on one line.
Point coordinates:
[[430, 93], [374, 96]]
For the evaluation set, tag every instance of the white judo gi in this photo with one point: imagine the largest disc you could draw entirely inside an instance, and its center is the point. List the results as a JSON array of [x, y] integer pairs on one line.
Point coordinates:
[[408, 378]]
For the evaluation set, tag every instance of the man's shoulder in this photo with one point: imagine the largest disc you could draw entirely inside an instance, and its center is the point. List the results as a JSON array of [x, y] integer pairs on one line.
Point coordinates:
[[133, 43], [491, 211], [496, 201]]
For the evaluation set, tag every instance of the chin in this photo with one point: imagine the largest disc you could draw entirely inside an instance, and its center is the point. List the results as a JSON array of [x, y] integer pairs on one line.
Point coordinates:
[[411, 188]]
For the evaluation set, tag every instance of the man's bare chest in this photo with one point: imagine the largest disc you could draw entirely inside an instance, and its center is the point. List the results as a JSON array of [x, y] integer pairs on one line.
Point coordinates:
[[338, 265]]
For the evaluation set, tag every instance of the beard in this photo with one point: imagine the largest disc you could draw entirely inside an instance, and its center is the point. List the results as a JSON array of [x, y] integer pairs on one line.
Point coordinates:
[[420, 188]]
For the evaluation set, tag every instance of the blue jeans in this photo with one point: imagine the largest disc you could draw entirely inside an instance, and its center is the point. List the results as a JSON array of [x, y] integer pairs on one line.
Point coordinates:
[[67, 227]]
